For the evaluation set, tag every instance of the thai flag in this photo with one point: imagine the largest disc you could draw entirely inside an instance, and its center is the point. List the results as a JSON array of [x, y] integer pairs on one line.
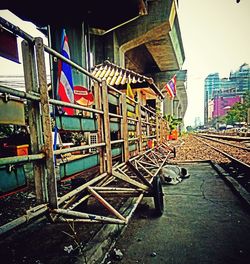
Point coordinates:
[[171, 87], [65, 82]]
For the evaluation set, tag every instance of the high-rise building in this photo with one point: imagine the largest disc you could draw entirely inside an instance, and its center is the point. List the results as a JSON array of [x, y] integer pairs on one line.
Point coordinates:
[[241, 78], [212, 86], [221, 93]]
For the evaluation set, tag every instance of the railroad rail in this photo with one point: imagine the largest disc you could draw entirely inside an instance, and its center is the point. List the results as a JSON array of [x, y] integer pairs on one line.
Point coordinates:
[[229, 137], [225, 141], [239, 166]]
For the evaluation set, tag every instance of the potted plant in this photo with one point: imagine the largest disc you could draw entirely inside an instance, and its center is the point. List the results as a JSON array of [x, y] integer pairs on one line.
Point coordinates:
[[78, 139]]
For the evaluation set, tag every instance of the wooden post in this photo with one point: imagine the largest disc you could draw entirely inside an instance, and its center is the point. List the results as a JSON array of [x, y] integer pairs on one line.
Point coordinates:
[[157, 131], [34, 119], [107, 126], [124, 126], [161, 130], [47, 130], [98, 106], [139, 126], [147, 123]]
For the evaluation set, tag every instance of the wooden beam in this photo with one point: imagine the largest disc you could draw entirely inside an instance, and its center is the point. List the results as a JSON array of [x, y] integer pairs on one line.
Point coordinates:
[[122, 189], [153, 161], [139, 126], [71, 220], [144, 168], [124, 126], [123, 171], [30, 214], [100, 132], [157, 155], [138, 174], [129, 180], [106, 204], [148, 164], [107, 126], [48, 141], [134, 207], [157, 128], [81, 188], [91, 217], [34, 120]]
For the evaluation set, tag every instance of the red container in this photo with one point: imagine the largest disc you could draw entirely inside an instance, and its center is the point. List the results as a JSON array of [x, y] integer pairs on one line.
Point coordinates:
[[150, 143], [20, 150]]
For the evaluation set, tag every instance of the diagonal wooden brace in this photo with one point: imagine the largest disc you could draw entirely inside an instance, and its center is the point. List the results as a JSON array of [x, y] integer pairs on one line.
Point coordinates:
[[139, 175]]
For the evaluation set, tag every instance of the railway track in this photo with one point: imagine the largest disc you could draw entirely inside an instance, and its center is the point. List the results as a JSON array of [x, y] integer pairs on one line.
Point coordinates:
[[231, 137], [239, 144], [238, 165]]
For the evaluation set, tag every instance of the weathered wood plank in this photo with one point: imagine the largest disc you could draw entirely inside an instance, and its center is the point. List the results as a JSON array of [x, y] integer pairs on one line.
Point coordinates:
[[124, 126], [100, 132], [106, 204], [107, 126], [34, 119], [129, 180], [90, 217], [48, 141], [138, 174]]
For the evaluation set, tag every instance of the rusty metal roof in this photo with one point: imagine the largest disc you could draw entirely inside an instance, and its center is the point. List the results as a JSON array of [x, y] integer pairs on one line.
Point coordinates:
[[119, 77]]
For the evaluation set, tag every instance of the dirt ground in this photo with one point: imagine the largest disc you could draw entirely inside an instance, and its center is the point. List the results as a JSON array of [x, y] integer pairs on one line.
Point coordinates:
[[46, 243]]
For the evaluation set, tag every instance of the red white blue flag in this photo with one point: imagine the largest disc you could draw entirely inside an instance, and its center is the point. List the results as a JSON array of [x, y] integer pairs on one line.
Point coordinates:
[[171, 87], [65, 82]]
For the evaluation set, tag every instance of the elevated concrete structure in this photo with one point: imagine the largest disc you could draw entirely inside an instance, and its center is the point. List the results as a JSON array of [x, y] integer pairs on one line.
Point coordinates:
[[178, 106], [142, 36], [150, 45]]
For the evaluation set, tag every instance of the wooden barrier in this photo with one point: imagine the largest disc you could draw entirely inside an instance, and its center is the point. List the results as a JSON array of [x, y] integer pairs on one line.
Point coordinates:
[[134, 124]]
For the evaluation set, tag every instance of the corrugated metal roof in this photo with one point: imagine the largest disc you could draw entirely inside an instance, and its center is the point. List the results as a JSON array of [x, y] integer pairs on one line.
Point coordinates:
[[118, 77]]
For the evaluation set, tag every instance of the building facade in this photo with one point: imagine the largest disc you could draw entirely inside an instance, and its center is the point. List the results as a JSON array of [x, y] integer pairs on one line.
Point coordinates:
[[220, 94]]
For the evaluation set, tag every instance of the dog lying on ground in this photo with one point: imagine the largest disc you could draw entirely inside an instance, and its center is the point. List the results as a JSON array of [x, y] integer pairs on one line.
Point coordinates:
[[172, 174]]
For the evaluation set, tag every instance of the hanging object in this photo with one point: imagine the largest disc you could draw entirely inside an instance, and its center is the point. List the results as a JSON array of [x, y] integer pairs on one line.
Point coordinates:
[[65, 78], [83, 96], [171, 87]]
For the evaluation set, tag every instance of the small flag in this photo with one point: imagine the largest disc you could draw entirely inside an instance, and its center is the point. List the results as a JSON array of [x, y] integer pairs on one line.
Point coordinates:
[[65, 82], [171, 87], [129, 91]]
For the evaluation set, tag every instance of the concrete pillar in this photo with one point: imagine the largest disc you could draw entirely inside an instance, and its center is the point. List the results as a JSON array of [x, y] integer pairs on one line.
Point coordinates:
[[180, 114], [175, 108], [167, 106]]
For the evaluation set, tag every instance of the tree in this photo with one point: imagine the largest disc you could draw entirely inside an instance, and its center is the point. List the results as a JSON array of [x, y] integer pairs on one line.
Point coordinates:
[[238, 112], [173, 122], [189, 129]]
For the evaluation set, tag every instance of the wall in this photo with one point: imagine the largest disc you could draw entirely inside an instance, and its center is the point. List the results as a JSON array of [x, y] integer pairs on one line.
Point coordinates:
[[221, 102]]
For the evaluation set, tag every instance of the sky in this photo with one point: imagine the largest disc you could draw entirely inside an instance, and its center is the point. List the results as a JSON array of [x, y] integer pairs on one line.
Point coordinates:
[[215, 36]]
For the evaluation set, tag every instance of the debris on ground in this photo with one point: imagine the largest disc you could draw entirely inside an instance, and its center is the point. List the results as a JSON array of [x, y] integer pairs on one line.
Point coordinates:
[[117, 254]]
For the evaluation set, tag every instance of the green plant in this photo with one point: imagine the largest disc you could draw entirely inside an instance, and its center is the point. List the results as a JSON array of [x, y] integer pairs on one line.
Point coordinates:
[[238, 112], [6, 130], [78, 138], [173, 122]]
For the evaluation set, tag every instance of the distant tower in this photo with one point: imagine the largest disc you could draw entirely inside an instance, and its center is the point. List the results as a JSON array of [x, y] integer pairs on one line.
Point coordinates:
[[197, 121], [211, 88]]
